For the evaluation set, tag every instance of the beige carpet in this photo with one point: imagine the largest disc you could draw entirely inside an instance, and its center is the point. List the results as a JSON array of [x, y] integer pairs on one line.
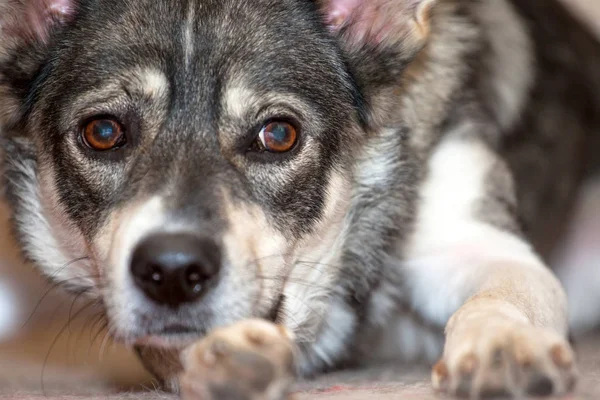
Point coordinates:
[[399, 382]]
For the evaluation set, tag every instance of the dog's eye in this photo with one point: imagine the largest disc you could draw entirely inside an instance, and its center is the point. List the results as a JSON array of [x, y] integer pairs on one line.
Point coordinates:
[[277, 137], [103, 134]]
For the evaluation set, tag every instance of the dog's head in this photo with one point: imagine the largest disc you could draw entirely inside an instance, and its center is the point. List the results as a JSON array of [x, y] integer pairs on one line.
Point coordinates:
[[181, 160]]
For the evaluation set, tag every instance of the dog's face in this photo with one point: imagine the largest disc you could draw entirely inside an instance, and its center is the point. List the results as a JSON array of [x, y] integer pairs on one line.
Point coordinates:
[[180, 160]]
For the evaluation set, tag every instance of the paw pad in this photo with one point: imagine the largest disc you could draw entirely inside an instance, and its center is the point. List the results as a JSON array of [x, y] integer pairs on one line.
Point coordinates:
[[220, 348], [468, 365]]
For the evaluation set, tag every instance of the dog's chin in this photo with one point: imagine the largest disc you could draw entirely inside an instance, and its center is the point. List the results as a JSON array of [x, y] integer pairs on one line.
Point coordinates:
[[167, 341], [167, 338], [178, 336]]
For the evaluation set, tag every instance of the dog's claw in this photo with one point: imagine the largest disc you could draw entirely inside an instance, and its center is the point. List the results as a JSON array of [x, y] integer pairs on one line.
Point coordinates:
[[252, 360], [440, 376]]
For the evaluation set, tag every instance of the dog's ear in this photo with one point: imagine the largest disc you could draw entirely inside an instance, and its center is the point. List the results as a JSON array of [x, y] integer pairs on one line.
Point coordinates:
[[26, 29], [379, 39]]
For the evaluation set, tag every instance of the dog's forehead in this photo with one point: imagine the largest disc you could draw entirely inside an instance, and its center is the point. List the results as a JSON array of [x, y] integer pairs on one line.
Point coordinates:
[[195, 27], [198, 48]]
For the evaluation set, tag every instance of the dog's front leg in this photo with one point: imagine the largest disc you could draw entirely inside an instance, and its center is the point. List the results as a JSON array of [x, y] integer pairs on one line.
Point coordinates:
[[251, 360], [468, 266]]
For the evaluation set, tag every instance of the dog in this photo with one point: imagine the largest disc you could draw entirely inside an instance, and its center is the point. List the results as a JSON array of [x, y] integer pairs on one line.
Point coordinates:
[[260, 190]]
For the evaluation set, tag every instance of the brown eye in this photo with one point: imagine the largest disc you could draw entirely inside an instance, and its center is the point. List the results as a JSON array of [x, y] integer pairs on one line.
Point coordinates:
[[277, 137], [103, 135]]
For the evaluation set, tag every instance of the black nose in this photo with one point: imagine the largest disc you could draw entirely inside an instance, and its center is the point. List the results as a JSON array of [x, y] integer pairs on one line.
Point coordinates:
[[173, 269]]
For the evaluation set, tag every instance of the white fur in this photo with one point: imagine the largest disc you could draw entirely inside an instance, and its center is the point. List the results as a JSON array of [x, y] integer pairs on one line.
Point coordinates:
[[337, 327], [135, 224], [376, 163], [449, 253], [238, 100], [154, 83], [188, 34], [51, 241]]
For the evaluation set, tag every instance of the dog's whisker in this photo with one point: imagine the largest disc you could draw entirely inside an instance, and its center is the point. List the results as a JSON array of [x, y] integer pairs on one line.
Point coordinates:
[[70, 318], [284, 278], [303, 302], [76, 298], [55, 341], [294, 280], [107, 340], [66, 265], [103, 327], [99, 319], [55, 285], [89, 326]]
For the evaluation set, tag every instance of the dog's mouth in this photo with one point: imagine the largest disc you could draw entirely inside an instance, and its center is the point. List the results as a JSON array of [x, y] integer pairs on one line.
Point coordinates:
[[177, 330], [178, 335], [170, 336]]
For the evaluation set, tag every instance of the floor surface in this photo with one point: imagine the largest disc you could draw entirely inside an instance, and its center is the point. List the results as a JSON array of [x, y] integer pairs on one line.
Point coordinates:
[[399, 382]]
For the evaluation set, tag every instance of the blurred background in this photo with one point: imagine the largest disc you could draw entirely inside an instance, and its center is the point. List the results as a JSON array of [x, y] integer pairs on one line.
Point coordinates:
[[39, 346]]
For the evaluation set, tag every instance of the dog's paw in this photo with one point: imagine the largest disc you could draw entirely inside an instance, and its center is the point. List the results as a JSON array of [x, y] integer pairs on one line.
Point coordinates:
[[250, 360], [490, 358]]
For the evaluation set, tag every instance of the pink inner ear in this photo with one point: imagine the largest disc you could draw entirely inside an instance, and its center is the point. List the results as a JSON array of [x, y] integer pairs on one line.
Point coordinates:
[[367, 20], [374, 21], [43, 14], [339, 11]]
